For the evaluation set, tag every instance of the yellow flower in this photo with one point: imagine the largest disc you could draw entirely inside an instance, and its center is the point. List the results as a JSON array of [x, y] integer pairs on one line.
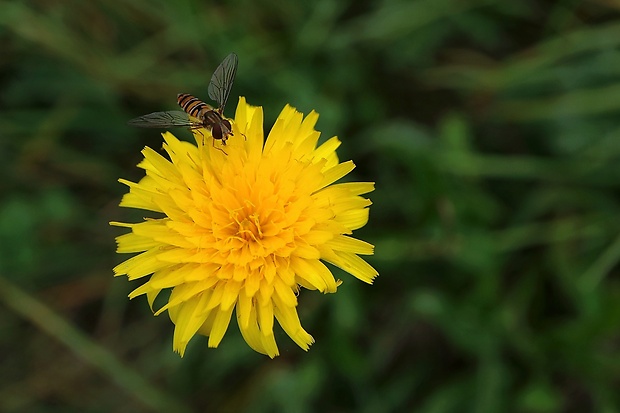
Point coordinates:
[[244, 229]]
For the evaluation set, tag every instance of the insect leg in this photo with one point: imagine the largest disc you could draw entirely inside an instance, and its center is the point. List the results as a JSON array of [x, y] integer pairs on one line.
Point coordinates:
[[220, 149]]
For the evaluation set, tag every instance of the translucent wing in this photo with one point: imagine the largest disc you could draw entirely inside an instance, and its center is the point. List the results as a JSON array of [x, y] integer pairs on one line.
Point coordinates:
[[222, 81], [163, 120]]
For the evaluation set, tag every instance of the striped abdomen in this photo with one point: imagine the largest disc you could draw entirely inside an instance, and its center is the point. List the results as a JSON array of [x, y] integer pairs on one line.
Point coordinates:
[[193, 106]]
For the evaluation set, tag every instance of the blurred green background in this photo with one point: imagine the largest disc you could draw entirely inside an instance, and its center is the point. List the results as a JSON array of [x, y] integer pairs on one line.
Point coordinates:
[[491, 129]]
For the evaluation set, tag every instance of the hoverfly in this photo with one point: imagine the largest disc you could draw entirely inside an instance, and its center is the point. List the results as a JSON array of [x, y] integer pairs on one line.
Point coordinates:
[[197, 114]]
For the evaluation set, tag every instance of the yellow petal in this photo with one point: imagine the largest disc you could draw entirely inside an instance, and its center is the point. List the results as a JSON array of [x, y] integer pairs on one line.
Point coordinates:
[[220, 325], [352, 264], [334, 173], [352, 245], [289, 320], [191, 315], [143, 264]]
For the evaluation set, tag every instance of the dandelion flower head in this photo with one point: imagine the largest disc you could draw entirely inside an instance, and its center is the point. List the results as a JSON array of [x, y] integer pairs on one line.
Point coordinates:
[[242, 227]]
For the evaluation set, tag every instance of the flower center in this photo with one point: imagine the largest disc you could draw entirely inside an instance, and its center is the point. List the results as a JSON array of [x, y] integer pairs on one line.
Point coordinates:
[[249, 227]]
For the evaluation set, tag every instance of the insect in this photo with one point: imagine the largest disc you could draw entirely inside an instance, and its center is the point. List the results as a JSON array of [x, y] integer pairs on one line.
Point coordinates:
[[196, 113]]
